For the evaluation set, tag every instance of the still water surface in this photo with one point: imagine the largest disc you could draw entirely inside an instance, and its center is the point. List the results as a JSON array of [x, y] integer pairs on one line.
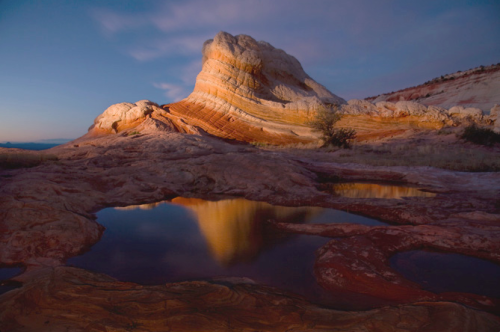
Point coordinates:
[[445, 272], [190, 239], [5, 274]]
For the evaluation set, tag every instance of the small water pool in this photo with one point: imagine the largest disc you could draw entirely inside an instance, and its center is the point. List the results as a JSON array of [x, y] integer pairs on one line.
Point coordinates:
[[189, 239], [5, 274], [374, 190], [443, 272]]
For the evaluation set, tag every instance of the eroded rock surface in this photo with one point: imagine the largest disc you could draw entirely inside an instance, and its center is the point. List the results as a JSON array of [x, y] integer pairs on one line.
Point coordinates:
[[387, 119], [68, 298], [474, 88], [250, 91], [47, 216]]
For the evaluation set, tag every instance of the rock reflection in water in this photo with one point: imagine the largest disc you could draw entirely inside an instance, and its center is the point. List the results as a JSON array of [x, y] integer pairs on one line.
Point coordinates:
[[195, 239], [234, 228], [372, 190], [148, 206]]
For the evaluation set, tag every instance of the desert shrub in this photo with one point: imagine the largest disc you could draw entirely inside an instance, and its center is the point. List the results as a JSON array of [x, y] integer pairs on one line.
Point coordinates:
[[325, 121], [478, 135], [23, 160], [259, 144], [342, 137]]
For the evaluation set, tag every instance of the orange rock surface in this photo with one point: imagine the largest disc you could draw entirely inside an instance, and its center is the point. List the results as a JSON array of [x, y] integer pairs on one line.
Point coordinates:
[[474, 88], [250, 91]]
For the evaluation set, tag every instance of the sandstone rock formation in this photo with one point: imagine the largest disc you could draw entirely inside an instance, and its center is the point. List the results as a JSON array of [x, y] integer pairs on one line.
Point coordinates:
[[64, 298], [247, 90], [255, 89], [386, 118], [495, 116], [478, 88], [253, 92], [47, 216]]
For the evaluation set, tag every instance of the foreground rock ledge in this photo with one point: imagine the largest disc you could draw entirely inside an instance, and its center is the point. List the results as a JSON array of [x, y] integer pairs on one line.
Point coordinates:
[[47, 215], [66, 298]]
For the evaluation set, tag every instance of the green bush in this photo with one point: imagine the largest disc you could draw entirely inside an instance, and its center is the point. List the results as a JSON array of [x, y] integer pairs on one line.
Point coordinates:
[[478, 135], [341, 137], [325, 121]]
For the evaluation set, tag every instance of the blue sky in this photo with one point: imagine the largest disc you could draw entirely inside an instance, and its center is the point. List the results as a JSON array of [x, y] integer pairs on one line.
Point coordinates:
[[62, 63]]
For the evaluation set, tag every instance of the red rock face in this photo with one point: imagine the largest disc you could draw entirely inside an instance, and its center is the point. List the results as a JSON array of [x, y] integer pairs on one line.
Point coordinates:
[[252, 92], [478, 87], [247, 90], [230, 126], [47, 216]]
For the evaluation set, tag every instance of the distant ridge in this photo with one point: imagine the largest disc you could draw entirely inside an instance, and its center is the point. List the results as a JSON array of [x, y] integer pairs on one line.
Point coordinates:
[[37, 145], [477, 87], [55, 140]]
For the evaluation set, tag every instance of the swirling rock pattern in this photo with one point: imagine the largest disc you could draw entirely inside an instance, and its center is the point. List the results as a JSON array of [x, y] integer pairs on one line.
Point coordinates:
[[474, 88], [250, 91], [46, 216]]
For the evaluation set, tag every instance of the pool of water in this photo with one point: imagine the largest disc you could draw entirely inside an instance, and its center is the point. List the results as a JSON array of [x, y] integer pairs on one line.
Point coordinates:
[[373, 190], [190, 239], [443, 272], [5, 274]]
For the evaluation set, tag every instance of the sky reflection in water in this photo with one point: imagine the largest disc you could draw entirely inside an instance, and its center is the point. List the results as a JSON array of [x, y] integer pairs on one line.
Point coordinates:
[[5, 274], [446, 272], [196, 239]]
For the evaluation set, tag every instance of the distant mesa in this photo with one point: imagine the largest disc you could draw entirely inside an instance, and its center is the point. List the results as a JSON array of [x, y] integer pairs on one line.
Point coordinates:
[[250, 91]]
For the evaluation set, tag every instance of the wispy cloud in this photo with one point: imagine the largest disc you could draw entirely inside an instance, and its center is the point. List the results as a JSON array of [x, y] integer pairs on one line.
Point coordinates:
[[184, 26], [112, 22], [190, 71], [187, 75], [189, 45], [361, 37], [172, 91], [201, 13]]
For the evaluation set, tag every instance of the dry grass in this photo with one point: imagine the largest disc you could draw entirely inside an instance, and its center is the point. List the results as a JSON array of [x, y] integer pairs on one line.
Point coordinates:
[[23, 160], [454, 157]]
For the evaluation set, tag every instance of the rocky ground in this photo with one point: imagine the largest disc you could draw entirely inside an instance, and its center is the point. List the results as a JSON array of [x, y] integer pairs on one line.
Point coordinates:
[[47, 215]]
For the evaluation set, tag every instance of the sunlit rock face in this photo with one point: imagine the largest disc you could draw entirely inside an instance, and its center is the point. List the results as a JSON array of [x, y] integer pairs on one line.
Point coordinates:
[[476, 88], [495, 116], [249, 90], [233, 228], [384, 118], [143, 116]]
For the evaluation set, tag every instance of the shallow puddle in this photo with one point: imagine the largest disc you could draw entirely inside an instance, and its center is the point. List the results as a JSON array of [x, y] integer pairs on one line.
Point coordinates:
[[195, 239], [5, 274], [442, 272], [373, 190]]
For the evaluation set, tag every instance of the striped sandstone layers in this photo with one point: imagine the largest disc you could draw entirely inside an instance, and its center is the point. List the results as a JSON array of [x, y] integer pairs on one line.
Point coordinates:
[[247, 90], [478, 87], [250, 91]]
